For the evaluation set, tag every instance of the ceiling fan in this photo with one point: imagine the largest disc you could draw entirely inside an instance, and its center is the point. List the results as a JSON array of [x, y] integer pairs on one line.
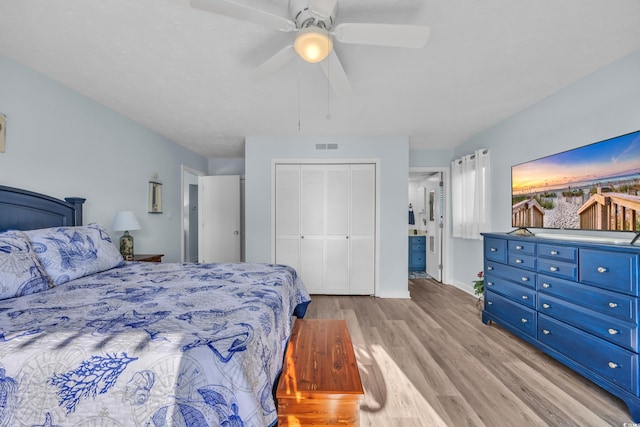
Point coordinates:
[[313, 21]]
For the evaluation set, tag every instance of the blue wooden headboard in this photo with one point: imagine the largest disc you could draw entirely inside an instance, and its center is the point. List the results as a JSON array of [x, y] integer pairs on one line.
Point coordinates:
[[26, 210]]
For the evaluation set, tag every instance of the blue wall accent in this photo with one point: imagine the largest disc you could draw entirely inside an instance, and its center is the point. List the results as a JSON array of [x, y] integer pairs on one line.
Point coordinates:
[[63, 144]]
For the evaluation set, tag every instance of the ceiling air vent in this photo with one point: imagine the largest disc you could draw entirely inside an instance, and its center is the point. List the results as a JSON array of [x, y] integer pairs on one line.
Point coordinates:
[[326, 146]]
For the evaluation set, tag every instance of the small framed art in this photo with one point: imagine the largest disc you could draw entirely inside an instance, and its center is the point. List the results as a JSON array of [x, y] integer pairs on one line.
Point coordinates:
[[155, 197]]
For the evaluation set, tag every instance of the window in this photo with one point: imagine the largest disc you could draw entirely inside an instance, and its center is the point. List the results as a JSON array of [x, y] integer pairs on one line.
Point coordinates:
[[470, 188]]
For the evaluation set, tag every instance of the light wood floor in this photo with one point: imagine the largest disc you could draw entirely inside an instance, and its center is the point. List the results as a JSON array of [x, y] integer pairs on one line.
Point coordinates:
[[430, 361]]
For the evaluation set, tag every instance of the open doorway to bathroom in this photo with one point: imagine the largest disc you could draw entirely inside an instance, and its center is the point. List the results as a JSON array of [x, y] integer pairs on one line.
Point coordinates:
[[426, 223]]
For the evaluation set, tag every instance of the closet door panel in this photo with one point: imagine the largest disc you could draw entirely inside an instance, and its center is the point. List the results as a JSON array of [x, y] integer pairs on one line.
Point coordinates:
[[363, 200], [362, 266], [312, 264], [288, 200], [312, 200], [287, 219], [288, 252], [337, 265], [337, 205]]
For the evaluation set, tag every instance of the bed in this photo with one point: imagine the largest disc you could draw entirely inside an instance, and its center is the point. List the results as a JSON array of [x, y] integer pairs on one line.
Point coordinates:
[[128, 343]]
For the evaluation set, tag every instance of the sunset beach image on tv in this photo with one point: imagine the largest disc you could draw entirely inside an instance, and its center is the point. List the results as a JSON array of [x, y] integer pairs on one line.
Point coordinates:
[[594, 187]]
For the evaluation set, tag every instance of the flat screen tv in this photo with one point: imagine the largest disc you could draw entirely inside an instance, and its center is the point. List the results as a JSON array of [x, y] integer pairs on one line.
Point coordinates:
[[594, 187]]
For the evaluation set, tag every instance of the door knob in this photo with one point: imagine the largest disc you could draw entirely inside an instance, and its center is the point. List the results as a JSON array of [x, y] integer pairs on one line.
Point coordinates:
[[236, 232]]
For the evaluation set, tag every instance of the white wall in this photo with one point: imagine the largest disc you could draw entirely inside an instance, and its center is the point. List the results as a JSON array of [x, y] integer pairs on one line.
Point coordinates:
[[392, 152], [603, 105], [63, 144]]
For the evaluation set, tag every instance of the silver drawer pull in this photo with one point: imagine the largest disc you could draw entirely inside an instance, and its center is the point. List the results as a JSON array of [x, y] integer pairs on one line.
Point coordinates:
[[525, 279], [518, 247], [518, 261], [613, 365], [490, 302], [545, 331], [489, 283], [613, 305], [602, 270], [523, 320], [493, 250], [489, 268], [553, 268], [554, 252], [546, 285], [612, 331], [525, 297], [545, 306]]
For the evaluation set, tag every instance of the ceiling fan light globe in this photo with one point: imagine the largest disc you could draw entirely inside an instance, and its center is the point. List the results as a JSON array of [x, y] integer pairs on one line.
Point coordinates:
[[313, 44]]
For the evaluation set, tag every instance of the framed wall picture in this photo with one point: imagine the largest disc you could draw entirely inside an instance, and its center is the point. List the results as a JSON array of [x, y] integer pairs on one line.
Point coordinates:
[[155, 197]]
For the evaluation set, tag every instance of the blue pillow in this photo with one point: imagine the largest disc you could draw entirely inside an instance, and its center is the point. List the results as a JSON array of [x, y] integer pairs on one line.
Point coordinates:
[[20, 271], [67, 253]]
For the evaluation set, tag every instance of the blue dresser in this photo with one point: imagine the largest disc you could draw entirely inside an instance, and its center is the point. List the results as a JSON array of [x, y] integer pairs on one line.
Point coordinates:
[[576, 301], [417, 253]]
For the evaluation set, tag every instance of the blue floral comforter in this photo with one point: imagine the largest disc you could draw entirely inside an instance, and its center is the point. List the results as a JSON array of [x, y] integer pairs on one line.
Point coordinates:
[[149, 345]]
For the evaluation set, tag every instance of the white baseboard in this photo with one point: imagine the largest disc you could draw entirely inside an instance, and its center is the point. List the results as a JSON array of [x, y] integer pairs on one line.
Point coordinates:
[[467, 287], [402, 295]]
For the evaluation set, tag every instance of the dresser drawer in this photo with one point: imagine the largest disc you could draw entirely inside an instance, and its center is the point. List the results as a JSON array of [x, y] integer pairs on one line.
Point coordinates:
[[522, 261], [518, 275], [624, 334], [495, 249], [621, 306], [516, 315], [418, 259], [520, 247], [418, 243], [609, 270], [557, 268], [562, 253], [608, 360], [521, 294]]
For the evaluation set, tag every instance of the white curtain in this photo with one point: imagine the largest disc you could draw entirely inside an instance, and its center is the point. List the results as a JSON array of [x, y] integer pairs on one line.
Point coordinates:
[[471, 209]]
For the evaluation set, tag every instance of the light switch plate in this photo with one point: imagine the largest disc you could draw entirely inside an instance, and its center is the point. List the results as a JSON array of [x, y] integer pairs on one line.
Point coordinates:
[[3, 126]]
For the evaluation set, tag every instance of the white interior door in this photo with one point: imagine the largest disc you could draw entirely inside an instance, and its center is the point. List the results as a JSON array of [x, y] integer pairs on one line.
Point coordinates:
[[435, 223], [219, 218]]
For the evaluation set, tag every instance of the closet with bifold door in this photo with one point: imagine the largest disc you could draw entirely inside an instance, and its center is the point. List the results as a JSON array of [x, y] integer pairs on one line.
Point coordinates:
[[325, 222]]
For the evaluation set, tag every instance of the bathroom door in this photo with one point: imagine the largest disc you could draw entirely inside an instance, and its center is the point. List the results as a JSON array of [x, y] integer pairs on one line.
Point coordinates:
[[435, 224]]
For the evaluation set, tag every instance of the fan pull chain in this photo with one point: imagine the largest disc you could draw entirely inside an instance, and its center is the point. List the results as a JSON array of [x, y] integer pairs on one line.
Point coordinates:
[[299, 96], [328, 86]]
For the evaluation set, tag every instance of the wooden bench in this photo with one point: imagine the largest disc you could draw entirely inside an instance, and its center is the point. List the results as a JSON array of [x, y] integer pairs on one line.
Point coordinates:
[[320, 383]]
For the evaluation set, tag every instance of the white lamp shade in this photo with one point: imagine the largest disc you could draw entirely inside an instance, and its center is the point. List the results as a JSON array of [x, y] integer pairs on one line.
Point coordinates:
[[313, 44], [125, 221]]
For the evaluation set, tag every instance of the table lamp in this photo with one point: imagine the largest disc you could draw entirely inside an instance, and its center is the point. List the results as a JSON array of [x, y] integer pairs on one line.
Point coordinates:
[[125, 221]]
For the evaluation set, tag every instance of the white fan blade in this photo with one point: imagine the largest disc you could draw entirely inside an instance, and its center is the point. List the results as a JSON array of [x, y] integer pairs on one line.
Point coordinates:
[[322, 8], [277, 61], [244, 13], [413, 36], [334, 71]]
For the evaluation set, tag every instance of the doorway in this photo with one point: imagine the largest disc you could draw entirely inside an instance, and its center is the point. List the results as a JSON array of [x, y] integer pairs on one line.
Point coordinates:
[[189, 214], [427, 235]]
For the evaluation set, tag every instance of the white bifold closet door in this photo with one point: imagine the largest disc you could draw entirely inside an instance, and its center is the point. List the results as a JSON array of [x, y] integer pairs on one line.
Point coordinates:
[[325, 225]]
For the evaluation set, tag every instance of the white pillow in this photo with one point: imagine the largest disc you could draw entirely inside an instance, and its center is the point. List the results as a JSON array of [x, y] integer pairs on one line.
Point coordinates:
[[20, 271], [67, 253]]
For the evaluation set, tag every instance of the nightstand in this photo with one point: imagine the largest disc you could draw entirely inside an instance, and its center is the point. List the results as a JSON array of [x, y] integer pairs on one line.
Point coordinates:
[[148, 257]]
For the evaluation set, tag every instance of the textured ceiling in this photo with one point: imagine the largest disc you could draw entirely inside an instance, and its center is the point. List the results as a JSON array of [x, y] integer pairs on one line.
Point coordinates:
[[186, 74]]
